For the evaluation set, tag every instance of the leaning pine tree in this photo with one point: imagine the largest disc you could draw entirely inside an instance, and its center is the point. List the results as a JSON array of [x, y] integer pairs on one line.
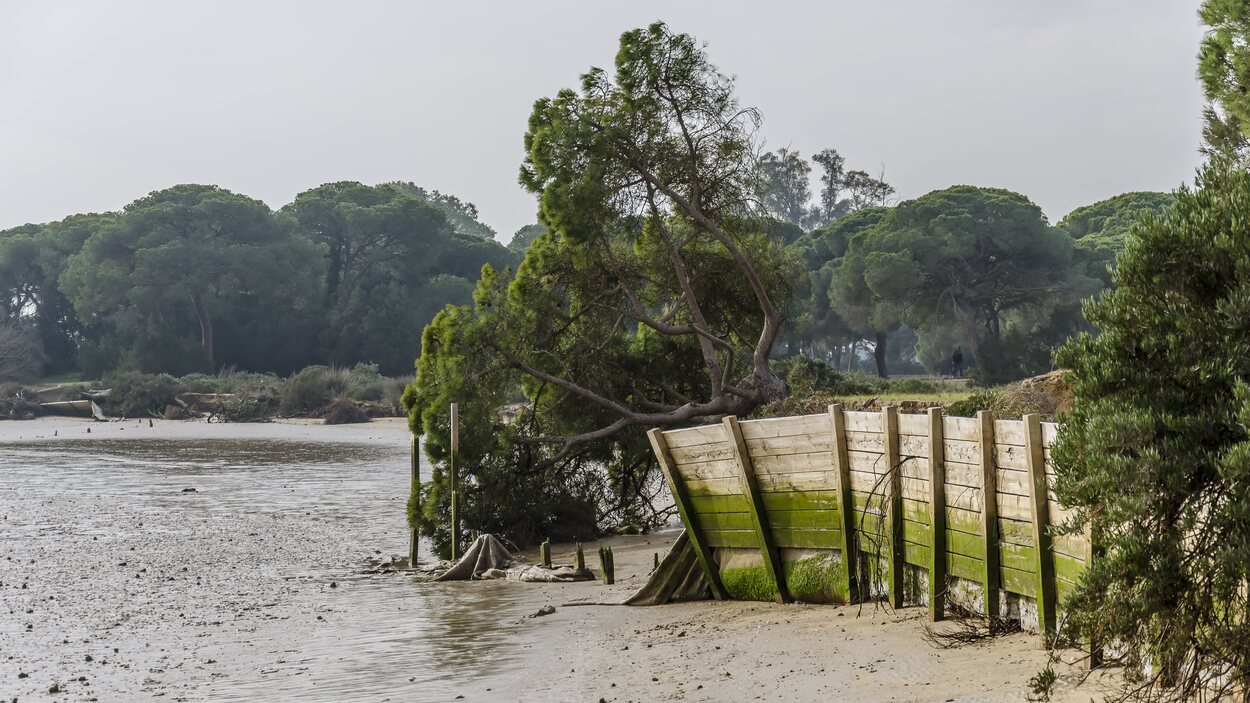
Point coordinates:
[[1156, 456]]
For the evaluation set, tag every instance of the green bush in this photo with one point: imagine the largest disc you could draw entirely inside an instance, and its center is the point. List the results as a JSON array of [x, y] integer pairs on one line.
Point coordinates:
[[914, 385], [136, 394], [1155, 456], [308, 391], [198, 383]]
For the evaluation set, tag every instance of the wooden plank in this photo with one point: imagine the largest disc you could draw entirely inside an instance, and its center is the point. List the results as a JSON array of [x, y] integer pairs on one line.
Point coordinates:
[[740, 539], [784, 426], [1009, 432], [714, 451], [916, 510], [1044, 565], [960, 520], [858, 421], [1069, 545], [1050, 432], [1016, 483], [800, 481], [916, 467], [804, 519], [964, 567], [989, 517], [867, 461], [704, 505], [712, 486], [1016, 581], [725, 521], [788, 538], [790, 444], [1068, 569], [965, 429], [937, 517], [706, 434], [917, 554], [801, 500], [675, 485], [842, 478], [894, 507], [911, 445], [867, 483], [1015, 531], [724, 468], [792, 463], [962, 451], [755, 509], [913, 425], [914, 488], [917, 533], [1009, 456], [872, 442]]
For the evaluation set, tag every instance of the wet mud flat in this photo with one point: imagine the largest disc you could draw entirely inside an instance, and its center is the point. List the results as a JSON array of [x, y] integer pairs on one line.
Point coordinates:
[[215, 567]]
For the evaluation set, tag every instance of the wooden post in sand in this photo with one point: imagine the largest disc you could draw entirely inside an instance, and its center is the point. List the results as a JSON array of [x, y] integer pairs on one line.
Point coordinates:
[[416, 490], [455, 482]]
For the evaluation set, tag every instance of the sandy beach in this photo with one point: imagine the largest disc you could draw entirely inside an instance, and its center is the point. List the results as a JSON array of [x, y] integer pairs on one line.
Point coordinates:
[[282, 632]]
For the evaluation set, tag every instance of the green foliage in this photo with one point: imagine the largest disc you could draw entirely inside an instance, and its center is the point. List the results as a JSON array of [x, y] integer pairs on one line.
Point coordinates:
[[981, 259], [1224, 69], [345, 412], [309, 391], [393, 259], [1101, 230], [246, 408], [814, 579], [140, 395], [161, 276], [1156, 456]]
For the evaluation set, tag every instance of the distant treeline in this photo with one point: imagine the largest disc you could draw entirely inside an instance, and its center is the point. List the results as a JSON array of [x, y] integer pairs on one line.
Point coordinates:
[[195, 278]]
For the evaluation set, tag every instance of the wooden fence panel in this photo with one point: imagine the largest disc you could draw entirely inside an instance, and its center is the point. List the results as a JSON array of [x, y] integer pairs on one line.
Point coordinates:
[[908, 488]]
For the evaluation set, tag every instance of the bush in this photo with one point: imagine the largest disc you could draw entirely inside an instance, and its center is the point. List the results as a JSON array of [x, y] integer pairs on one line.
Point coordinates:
[[135, 394], [308, 391], [1155, 457], [198, 383], [345, 412], [245, 408]]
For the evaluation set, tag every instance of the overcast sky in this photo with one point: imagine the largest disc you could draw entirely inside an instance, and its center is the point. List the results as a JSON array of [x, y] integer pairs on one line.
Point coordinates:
[[1066, 101]]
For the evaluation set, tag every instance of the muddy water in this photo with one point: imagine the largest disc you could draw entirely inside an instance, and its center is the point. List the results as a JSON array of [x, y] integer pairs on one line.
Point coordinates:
[[115, 584]]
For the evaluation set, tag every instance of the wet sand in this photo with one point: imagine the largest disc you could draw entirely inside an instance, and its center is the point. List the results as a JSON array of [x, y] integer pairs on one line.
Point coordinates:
[[247, 589]]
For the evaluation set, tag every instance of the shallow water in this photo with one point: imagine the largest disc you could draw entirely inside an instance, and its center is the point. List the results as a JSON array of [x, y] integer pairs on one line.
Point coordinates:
[[247, 589]]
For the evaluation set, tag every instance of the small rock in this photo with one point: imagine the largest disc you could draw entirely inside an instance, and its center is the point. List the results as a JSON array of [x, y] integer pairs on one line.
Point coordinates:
[[55, 688], [189, 490], [545, 610], [334, 584], [23, 675], [88, 658]]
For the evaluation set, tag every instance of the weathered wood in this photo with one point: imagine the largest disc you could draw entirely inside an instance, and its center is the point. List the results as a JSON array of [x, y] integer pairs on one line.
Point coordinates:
[[913, 425], [579, 558], [842, 477], [937, 518], [963, 429], [694, 436], [792, 463], [894, 506], [695, 453], [1044, 566], [860, 421], [755, 509], [544, 553], [675, 485], [989, 517], [1009, 432], [784, 426]]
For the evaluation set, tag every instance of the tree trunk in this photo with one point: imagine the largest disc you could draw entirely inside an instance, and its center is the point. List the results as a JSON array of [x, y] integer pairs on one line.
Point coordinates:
[[974, 346], [206, 328], [878, 353], [850, 362]]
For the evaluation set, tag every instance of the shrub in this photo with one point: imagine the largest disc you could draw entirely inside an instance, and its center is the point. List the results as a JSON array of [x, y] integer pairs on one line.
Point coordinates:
[[135, 394], [198, 383], [345, 412], [245, 408], [1155, 457], [308, 391]]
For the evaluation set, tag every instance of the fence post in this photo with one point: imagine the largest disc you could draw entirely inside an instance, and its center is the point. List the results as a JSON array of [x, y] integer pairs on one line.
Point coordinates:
[[894, 505], [678, 488], [455, 482], [846, 506], [755, 507], [937, 517], [989, 515], [415, 458], [1038, 493], [1095, 645]]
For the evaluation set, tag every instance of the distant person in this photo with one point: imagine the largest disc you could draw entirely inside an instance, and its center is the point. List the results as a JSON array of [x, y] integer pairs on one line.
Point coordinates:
[[957, 362]]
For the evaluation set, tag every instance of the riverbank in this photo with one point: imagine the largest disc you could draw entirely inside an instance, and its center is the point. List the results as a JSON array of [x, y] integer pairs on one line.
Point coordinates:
[[121, 584]]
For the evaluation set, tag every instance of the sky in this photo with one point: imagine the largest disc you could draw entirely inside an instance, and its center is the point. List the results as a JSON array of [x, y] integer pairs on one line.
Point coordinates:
[[1065, 101]]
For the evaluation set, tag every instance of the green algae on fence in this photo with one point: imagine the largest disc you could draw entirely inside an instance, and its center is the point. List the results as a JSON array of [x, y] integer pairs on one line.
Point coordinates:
[[845, 489]]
